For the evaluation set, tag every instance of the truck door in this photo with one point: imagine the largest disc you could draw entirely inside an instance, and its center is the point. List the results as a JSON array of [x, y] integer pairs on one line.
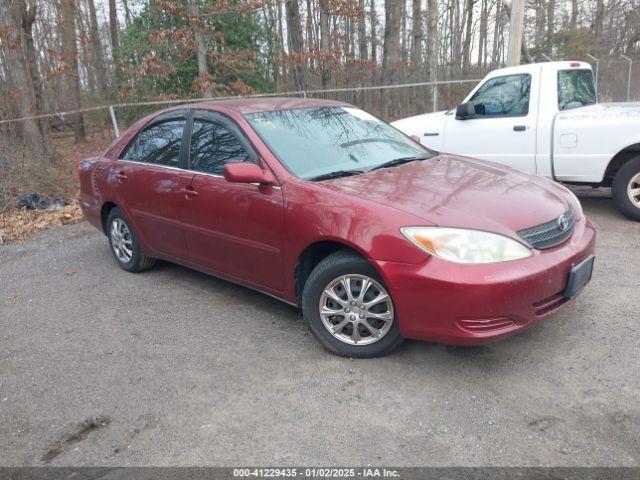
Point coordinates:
[[503, 130]]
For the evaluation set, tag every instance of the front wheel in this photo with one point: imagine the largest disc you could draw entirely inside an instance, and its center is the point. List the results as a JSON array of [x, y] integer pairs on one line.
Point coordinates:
[[625, 189], [349, 309]]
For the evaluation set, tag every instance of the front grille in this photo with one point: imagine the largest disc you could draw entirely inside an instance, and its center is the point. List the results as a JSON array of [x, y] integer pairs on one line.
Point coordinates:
[[549, 234]]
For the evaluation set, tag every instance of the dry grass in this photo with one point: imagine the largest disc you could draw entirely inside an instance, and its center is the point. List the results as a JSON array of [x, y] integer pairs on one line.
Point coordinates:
[[20, 223], [56, 178]]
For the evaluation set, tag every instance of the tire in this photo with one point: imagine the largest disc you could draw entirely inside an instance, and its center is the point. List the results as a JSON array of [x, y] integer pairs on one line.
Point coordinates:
[[627, 178], [377, 337], [125, 245]]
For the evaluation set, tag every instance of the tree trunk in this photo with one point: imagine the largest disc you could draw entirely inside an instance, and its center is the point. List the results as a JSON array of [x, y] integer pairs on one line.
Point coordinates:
[[482, 40], [204, 80], [295, 41], [69, 59], [325, 45], [551, 14], [19, 76], [541, 20], [598, 22], [416, 40], [373, 20], [466, 49], [115, 43], [574, 14], [362, 32], [97, 53], [391, 46], [432, 39], [391, 49], [28, 19]]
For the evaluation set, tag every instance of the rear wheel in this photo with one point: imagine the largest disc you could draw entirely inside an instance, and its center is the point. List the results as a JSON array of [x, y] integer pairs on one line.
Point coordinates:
[[625, 189], [125, 245], [349, 309]]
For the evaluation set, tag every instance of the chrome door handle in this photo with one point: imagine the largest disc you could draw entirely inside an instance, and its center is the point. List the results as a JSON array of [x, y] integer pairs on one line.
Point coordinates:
[[121, 176]]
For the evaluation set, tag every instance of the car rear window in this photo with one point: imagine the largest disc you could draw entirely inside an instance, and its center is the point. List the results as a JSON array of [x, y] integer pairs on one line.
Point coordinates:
[[575, 89]]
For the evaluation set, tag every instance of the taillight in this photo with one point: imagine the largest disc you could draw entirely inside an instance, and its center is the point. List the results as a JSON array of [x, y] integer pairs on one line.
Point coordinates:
[[574, 64]]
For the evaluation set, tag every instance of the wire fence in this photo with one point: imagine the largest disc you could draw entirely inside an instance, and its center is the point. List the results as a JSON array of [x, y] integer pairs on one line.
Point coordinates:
[[614, 77]]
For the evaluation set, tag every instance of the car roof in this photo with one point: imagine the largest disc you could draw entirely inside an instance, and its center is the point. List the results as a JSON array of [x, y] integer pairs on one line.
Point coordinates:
[[264, 104]]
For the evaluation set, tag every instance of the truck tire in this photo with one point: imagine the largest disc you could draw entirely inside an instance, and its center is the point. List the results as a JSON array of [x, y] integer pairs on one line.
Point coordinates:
[[625, 189]]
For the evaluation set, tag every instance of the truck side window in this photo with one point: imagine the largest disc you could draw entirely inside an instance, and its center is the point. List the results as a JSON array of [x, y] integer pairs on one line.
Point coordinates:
[[506, 96], [575, 89]]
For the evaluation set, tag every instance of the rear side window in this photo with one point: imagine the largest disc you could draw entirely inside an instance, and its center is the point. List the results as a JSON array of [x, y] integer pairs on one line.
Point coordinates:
[[575, 89], [213, 146], [159, 144], [506, 96]]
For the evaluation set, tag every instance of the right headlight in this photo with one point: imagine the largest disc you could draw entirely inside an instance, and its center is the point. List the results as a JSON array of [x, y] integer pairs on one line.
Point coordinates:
[[466, 246]]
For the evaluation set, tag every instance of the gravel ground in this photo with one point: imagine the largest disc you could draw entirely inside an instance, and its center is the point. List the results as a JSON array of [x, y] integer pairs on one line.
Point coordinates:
[[172, 367]]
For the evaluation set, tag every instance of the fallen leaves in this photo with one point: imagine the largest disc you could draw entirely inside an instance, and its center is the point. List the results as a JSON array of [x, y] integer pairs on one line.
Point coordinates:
[[18, 224]]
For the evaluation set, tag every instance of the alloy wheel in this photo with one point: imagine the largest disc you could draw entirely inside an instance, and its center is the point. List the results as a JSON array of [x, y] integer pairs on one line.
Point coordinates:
[[121, 240], [633, 190], [356, 309]]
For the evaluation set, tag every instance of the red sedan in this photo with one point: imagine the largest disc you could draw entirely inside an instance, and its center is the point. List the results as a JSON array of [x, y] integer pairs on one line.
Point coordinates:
[[326, 207]]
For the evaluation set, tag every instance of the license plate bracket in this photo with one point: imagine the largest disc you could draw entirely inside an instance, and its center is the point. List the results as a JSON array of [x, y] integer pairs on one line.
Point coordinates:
[[579, 276]]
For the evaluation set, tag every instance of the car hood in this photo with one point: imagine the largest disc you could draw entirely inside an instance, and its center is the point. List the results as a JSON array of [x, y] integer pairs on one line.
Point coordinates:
[[453, 191], [425, 122]]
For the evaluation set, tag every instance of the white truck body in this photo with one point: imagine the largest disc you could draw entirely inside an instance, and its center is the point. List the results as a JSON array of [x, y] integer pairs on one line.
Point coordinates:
[[578, 144]]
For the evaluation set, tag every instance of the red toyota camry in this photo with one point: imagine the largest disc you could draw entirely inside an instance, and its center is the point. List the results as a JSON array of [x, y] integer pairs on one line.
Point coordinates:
[[326, 207]]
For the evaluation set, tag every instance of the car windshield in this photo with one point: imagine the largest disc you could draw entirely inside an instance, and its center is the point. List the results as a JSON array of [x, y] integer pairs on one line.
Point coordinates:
[[312, 142]]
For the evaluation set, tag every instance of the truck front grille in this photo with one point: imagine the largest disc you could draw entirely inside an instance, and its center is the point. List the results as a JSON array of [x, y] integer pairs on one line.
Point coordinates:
[[550, 234]]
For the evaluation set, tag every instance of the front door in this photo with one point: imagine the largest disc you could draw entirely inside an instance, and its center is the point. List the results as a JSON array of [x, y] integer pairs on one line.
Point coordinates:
[[504, 127], [231, 228], [147, 183]]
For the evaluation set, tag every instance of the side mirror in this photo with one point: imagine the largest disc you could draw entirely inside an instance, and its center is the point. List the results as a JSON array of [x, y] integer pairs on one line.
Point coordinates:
[[247, 173], [415, 138], [468, 110]]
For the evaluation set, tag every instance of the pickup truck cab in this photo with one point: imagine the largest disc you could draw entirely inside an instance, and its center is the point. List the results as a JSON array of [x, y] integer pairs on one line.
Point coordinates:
[[543, 118]]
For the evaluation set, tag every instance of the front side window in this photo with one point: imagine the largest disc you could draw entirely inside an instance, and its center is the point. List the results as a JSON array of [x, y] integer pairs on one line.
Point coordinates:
[[575, 89], [158, 144], [315, 141], [506, 96], [213, 146]]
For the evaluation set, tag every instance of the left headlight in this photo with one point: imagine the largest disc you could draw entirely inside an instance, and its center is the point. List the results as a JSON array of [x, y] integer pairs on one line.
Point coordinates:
[[466, 246]]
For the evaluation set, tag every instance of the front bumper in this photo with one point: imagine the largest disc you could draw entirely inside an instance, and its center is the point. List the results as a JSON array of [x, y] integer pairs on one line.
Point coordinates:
[[460, 304]]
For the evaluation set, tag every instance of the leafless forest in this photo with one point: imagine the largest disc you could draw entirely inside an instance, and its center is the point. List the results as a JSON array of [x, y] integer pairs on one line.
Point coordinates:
[[64, 55]]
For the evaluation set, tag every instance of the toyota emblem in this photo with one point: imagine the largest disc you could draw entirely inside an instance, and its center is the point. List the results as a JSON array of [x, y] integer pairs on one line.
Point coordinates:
[[563, 222]]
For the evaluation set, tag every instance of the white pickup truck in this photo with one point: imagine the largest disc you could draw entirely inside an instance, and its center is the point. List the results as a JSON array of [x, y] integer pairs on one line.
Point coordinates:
[[544, 118]]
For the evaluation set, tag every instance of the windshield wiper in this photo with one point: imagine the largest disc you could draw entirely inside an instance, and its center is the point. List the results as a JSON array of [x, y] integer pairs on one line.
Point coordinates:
[[399, 161], [335, 174]]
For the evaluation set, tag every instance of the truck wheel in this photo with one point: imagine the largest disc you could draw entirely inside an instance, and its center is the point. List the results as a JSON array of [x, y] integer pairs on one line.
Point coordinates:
[[625, 189]]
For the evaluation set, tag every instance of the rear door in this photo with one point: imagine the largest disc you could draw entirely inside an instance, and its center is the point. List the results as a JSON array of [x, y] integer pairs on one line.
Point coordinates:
[[147, 183], [232, 228], [504, 127]]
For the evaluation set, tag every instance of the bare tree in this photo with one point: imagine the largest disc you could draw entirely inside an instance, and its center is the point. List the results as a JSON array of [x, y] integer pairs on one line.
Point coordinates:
[[19, 77], [204, 80], [69, 59], [295, 41]]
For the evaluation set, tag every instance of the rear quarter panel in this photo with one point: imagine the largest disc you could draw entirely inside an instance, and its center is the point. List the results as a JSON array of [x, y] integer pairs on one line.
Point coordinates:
[[95, 188]]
